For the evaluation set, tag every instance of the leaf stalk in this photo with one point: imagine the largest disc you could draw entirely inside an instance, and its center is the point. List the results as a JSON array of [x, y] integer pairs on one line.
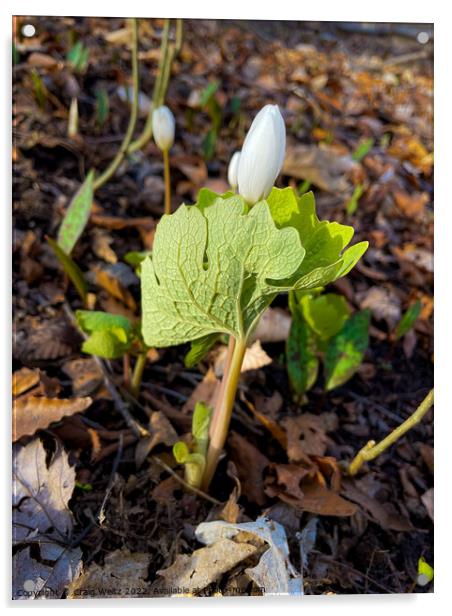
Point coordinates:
[[223, 409]]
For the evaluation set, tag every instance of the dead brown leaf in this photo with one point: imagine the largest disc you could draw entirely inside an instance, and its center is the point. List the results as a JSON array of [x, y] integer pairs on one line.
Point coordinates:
[[33, 413], [128, 568], [384, 304], [412, 205], [113, 285], [306, 435], [251, 464], [85, 374], [206, 391], [320, 165], [383, 514], [161, 432], [23, 380], [273, 326]]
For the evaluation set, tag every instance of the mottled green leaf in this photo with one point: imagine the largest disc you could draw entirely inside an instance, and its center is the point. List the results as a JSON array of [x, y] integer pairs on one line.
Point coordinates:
[[199, 349], [71, 269], [301, 352], [408, 319], [77, 215], [346, 349], [325, 314]]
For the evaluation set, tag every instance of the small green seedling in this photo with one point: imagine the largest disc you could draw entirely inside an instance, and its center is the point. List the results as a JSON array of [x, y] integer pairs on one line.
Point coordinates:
[[194, 458], [324, 328]]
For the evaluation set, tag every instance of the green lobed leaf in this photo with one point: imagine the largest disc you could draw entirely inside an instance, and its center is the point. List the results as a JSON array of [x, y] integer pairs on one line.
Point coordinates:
[[301, 352], [323, 241], [325, 314], [346, 349], [408, 319], [71, 269], [77, 215], [211, 271], [217, 265], [199, 349]]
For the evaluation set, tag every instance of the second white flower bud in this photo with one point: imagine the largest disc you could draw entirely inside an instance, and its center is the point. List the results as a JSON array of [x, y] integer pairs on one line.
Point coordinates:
[[163, 127], [233, 170]]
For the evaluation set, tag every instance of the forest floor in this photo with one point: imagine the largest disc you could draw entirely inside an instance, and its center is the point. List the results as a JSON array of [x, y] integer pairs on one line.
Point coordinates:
[[358, 107]]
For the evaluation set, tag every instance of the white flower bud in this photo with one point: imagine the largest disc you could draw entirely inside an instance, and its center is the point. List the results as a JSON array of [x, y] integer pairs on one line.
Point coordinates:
[[163, 127], [262, 154], [233, 170]]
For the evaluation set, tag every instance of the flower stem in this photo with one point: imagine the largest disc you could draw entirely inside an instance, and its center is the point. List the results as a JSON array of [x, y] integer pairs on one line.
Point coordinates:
[[166, 172], [371, 450], [113, 166], [223, 410], [137, 374], [167, 55]]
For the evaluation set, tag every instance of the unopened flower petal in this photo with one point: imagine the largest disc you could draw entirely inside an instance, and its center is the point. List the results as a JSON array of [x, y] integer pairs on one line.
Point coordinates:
[[233, 170], [163, 127], [262, 154]]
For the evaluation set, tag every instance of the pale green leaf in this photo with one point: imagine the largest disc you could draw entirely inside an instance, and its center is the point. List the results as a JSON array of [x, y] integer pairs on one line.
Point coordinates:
[[95, 320], [110, 334], [325, 314], [199, 349], [214, 271], [77, 215]]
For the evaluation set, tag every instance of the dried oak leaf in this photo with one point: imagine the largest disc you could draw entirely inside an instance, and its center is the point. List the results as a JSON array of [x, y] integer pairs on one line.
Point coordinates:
[[191, 573], [121, 572], [34, 413], [306, 490], [306, 435], [251, 464], [41, 517]]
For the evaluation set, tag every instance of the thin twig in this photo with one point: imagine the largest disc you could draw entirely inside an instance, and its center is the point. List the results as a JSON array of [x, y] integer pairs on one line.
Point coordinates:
[[101, 516], [184, 483], [372, 450]]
